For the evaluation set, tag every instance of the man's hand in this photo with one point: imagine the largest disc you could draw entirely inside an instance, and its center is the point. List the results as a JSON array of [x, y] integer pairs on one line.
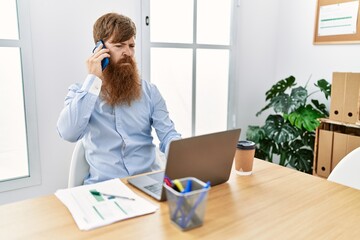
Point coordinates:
[[94, 61]]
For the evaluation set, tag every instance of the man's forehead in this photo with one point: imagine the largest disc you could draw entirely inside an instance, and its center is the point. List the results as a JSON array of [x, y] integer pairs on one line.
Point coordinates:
[[111, 40]]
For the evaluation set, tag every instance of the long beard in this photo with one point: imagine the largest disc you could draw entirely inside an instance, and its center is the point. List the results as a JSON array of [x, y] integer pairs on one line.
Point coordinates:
[[121, 82]]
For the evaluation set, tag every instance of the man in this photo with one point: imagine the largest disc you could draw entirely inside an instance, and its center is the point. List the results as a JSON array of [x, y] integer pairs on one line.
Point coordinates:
[[113, 111]]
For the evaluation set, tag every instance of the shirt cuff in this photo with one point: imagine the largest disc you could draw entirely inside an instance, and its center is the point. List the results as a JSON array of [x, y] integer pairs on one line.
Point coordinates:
[[92, 84]]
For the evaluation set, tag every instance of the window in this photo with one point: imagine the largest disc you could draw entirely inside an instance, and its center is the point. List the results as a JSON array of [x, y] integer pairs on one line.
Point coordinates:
[[189, 59], [19, 161]]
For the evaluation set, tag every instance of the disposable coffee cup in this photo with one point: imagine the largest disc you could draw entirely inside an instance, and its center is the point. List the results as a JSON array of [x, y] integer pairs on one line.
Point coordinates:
[[244, 157]]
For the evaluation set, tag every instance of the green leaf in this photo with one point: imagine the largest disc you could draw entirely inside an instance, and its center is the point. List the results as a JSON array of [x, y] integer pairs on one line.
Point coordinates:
[[279, 130], [305, 117], [321, 107], [255, 134], [266, 149], [308, 139], [261, 155], [298, 96], [324, 87], [264, 146], [284, 103], [280, 87], [284, 153], [301, 160], [281, 103]]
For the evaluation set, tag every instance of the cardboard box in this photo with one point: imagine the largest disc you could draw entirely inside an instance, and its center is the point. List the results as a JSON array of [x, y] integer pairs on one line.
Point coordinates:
[[324, 153], [339, 148], [333, 141], [345, 105], [342, 145], [353, 142], [351, 98], [337, 96]]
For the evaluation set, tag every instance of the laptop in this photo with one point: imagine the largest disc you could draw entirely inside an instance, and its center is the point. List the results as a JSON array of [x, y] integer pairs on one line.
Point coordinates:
[[206, 157]]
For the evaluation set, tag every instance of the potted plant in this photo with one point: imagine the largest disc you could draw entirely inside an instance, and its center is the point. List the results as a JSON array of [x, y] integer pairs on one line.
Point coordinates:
[[289, 133]]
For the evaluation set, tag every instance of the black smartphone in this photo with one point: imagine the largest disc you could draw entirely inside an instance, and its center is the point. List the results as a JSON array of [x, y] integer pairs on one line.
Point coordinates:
[[105, 61]]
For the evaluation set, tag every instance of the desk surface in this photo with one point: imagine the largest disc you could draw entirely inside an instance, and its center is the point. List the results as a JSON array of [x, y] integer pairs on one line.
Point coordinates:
[[273, 203]]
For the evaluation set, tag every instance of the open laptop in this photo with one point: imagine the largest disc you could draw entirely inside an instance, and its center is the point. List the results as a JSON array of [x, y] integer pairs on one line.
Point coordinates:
[[207, 157]]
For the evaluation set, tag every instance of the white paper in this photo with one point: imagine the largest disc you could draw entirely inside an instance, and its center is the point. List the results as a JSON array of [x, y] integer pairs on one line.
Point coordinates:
[[338, 19], [90, 212]]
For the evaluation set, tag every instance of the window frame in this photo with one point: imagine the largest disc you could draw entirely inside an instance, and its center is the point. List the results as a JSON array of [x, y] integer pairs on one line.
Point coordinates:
[[24, 43], [232, 86]]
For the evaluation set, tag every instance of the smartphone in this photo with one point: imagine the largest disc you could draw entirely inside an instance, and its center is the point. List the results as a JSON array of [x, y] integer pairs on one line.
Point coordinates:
[[105, 61]]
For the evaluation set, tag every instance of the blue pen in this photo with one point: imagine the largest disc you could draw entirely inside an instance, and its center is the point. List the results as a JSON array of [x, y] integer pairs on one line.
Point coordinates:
[[198, 201], [187, 189], [188, 186], [181, 201]]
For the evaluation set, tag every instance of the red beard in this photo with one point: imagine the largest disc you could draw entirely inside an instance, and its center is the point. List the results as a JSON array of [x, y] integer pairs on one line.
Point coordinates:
[[121, 82]]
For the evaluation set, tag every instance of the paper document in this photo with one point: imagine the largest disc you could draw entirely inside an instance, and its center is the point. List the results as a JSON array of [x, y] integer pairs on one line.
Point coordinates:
[[99, 204], [338, 19]]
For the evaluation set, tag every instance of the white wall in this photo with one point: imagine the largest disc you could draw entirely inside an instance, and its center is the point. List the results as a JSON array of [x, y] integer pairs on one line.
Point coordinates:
[[276, 41], [257, 34], [298, 56], [62, 40]]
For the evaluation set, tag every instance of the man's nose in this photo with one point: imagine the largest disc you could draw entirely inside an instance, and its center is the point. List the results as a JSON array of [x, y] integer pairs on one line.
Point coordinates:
[[127, 51]]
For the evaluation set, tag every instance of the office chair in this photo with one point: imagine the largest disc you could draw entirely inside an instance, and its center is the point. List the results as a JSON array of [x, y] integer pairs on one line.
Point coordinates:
[[79, 167], [160, 160], [347, 170]]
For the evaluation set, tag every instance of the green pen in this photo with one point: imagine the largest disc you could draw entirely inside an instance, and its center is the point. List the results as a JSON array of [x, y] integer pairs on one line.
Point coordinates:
[[94, 192]]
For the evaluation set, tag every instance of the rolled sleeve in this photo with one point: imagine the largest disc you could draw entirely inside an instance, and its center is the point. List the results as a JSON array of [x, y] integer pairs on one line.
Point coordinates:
[[79, 105], [92, 84]]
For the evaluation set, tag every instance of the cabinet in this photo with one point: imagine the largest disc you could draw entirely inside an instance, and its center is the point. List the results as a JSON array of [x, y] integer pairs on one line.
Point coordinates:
[[333, 141]]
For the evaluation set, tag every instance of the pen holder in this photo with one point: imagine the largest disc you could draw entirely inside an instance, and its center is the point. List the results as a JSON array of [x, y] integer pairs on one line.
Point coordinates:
[[187, 210]]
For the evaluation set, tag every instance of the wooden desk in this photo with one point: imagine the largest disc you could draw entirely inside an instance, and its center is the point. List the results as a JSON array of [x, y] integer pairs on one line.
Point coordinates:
[[274, 203]]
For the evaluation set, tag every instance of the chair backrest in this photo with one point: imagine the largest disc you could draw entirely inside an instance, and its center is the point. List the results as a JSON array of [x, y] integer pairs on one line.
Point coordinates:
[[347, 170], [160, 160], [79, 167]]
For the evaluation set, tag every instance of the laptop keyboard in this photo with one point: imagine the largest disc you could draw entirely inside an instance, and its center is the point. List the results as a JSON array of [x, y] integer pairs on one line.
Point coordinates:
[[155, 188]]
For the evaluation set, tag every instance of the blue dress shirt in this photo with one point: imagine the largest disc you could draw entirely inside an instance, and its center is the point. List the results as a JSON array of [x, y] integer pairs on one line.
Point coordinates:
[[117, 140]]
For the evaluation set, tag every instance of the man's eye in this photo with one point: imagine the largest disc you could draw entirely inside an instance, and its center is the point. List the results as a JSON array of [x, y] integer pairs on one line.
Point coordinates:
[[118, 45]]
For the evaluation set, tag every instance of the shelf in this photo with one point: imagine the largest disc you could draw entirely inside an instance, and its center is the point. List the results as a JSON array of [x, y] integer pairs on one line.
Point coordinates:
[[333, 141]]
